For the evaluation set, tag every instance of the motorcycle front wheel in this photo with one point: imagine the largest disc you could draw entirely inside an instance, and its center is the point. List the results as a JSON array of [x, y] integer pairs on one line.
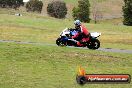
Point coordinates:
[[59, 42]]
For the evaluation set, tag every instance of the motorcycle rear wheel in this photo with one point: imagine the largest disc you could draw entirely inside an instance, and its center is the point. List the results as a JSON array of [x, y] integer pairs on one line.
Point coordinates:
[[93, 44]]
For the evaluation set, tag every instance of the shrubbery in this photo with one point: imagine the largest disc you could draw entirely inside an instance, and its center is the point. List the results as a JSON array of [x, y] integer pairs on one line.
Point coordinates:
[[34, 5], [57, 9], [11, 3]]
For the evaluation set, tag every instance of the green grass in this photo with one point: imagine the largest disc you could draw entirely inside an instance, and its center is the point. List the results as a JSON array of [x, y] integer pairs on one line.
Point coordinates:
[[40, 66], [71, 1], [116, 21], [36, 28]]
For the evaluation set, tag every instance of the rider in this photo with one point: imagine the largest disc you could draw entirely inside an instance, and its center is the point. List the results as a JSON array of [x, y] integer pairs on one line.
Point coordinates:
[[82, 35]]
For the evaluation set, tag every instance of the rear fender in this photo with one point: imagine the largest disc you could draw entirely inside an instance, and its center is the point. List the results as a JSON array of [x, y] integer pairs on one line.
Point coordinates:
[[95, 34]]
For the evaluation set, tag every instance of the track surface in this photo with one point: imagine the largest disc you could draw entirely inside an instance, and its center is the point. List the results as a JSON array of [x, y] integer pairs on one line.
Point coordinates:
[[100, 49]]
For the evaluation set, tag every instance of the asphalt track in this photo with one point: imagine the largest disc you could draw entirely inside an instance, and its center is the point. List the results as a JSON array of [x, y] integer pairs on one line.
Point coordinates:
[[100, 49]]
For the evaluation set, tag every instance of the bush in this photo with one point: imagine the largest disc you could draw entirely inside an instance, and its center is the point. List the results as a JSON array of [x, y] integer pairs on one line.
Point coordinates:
[[82, 12], [57, 9], [34, 5], [11, 3], [127, 10]]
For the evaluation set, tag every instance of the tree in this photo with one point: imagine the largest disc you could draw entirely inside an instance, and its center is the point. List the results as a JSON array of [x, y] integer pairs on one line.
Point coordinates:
[[34, 5], [127, 13], [75, 13], [57, 9], [96, 11], [82, 12]]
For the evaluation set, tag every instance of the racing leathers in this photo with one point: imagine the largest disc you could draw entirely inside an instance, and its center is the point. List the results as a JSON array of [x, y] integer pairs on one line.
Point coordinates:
[[82, 35]]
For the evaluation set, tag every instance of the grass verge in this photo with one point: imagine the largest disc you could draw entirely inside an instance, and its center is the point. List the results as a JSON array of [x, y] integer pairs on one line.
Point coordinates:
[[39, 66]]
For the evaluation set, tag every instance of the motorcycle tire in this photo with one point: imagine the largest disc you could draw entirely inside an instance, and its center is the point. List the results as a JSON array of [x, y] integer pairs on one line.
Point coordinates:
[[93, 44], [60, 43]]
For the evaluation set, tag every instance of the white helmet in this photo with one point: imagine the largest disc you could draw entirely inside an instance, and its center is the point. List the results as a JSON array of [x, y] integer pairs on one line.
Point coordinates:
[[77, 22]]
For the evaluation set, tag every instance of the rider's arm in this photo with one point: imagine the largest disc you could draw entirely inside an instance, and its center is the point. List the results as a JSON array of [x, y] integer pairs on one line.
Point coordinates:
[[85, 30], [75, 36]]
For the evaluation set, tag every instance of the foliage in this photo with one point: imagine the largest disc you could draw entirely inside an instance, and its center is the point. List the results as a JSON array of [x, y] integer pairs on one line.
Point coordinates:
[[11, 3], [34, 5], [82, 12], [127, 10], [57, 9]]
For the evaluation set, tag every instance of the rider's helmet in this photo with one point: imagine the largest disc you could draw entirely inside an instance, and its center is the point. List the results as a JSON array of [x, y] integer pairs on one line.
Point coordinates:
[[77, 22]]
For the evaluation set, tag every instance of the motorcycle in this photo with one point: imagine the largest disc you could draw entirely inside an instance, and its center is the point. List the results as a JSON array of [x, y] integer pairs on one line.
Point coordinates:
[[66, 40]]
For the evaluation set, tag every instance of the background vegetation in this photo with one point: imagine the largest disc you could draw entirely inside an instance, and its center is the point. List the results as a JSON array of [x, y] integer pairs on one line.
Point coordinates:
[[11, 3], [34, 5], [45, 65], [57, 9], [127, 13], [82, 12]]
